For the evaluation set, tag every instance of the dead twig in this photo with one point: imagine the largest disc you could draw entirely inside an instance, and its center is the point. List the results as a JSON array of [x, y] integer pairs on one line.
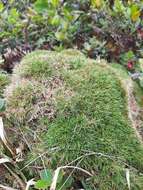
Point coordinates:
[[30, 183], [6, 187]]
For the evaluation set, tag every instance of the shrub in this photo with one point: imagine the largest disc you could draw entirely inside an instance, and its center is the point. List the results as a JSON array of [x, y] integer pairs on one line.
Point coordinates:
[[106, 29]]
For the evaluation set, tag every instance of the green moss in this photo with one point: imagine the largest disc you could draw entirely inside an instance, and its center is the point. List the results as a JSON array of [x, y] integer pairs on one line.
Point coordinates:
[[46, 63], [72, 52], [120, 70], [90, 119], [36, 65], [22, 100]]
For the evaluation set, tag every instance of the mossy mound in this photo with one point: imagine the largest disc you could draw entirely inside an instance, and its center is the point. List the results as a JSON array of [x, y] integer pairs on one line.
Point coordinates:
[[74, 110]]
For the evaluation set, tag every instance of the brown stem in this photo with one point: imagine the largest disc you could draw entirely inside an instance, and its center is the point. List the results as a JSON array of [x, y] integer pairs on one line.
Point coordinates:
[[21, 183]]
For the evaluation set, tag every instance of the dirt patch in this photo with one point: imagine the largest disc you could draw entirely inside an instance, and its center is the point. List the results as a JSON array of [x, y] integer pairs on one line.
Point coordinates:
[[134, 111]]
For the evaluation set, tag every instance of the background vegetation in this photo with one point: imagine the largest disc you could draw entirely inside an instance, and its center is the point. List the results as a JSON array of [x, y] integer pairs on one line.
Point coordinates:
[[109, 29]]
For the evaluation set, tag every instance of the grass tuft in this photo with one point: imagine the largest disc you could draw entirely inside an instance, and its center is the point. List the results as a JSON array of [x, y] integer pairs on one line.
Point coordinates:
[[4, 81]]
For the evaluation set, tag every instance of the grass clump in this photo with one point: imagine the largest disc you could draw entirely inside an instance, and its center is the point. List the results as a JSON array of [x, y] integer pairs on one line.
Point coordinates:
[[4, 81], [89, 126]]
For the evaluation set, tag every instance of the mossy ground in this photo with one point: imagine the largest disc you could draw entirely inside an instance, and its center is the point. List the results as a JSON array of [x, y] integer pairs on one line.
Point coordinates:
[[69, 107]]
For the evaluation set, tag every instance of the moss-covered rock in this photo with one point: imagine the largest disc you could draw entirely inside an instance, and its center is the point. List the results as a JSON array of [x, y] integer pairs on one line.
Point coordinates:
[[74, 110]]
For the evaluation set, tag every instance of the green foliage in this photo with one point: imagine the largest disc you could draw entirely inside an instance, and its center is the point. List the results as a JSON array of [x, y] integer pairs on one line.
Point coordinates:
[[97, 46], [82, 118], [47, 175], [46, 180], [42, 184], [41, 5], [49, 23], [126, 57]]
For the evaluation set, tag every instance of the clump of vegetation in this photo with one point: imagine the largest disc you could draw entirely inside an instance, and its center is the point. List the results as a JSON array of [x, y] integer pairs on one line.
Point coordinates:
[[73, 111], [4, 81]]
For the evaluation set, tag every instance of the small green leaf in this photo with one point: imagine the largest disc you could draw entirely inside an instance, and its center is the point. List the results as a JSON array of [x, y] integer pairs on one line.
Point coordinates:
[[119, 6], [46, 175], [1, 7], [56, 20], [14, 13], [55, 3], [60, 36], [45, 181], [135, 12], [41, 5], [67, 14], [42, 184]]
